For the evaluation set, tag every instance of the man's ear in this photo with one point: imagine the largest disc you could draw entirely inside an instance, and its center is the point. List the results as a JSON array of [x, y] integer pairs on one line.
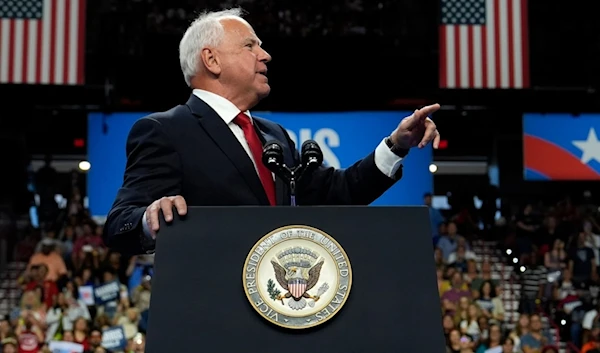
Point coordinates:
[[210, 61]]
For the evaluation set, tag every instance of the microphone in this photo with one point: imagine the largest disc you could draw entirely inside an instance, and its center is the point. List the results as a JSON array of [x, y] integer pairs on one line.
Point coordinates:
[[311, 155], [272, 157]]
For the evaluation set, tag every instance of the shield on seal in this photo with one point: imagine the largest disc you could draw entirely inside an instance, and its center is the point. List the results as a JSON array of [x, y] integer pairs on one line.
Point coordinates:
[[297, 287]]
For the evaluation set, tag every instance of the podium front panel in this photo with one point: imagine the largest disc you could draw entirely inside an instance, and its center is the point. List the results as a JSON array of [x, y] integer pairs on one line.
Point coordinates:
[[199, 303]]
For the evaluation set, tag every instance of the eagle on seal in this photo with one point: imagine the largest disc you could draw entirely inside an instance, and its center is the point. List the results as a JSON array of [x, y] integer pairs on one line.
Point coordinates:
[[296, 284]]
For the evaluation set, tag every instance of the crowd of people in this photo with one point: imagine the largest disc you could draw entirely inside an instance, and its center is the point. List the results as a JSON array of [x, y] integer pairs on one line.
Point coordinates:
[[77, 294], [555, 254], [60, 309]]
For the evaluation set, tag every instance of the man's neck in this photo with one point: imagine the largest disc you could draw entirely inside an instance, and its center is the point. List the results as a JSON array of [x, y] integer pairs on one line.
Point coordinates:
[[242, 102]]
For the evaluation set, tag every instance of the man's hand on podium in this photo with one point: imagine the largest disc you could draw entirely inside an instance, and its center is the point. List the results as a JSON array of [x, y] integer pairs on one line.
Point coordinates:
[[164, 204]]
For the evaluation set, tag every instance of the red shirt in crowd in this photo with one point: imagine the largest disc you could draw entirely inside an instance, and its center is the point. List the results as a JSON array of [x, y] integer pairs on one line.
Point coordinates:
[[28, 342], [50, 291]]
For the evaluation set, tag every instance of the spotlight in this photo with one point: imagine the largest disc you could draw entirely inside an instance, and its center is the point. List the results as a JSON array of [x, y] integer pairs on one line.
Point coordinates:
[[85, 166]]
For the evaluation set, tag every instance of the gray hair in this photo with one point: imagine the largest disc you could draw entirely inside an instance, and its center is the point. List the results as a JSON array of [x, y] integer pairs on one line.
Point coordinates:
[[205, 31]]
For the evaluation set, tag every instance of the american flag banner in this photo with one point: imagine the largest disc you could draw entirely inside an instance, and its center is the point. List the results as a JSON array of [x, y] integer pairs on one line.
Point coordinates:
[[484, 44], [42, 41]]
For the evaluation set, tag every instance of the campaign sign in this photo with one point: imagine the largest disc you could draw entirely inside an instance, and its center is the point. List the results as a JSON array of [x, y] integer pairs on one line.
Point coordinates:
[[65, 347], [114, 339], [86, 294], [107, 292], [561, 147], [344, 138]]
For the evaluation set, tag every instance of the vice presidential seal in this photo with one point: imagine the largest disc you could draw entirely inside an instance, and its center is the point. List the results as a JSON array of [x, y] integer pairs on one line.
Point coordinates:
[[297, 277]]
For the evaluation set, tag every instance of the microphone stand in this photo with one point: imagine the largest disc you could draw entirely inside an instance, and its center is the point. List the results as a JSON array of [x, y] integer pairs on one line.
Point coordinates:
[[292, 176]]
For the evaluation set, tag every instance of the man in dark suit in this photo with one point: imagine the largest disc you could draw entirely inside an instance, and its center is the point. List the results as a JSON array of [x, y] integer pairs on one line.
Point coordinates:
[[207, 152]]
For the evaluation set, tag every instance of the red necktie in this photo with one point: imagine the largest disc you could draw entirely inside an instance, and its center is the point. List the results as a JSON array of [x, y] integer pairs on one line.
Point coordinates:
[[256, 147]]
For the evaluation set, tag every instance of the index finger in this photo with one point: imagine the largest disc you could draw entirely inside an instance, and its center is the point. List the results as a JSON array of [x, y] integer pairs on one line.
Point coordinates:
[[420, 115], [180, 205], [427, 110]]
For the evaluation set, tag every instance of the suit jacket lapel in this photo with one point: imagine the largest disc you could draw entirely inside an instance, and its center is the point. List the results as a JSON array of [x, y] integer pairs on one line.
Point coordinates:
[[221, 134]]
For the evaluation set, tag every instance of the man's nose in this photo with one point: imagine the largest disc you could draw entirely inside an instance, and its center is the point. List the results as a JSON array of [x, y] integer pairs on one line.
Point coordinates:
[[264, 56]]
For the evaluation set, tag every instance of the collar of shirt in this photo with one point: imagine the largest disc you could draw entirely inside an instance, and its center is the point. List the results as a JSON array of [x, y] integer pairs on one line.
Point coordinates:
[[222, 106]]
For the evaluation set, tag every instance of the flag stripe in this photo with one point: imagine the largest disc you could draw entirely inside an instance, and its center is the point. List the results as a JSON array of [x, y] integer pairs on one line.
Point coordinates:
[[510, 42], [43, 46], [25, 59], [477, 57], [443, 57], [525, 42], [491, 43], [32, 62], [516, 45], [463, 57], [71, 52], [484, 44], [451, 69]]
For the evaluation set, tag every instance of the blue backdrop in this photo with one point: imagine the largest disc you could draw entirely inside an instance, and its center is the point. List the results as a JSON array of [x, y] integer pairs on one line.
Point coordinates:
[[343, 137]]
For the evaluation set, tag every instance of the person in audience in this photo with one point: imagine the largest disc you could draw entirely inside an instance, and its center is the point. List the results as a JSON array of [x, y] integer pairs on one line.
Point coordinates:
[[81, 333], [52, 259], [95, 339], [448, 325], [484, 275], [484, 327], [490, 304], [564, 287], [590, 319], [443, 284], [449, 242], [452, 296], [460, 257], [533, 281], [438, 257], [556, 259], [547, 234], [38, 276], [454, 341], [49, 237], [521, 329], [494, 340], [471, 272], [6, 330], [593, 343], [435, 217], [29, 334], [466, 344], [592, 240], [462, 311], [508, 346], [534, 340], [470, 325], [9, 345], [582, 261]]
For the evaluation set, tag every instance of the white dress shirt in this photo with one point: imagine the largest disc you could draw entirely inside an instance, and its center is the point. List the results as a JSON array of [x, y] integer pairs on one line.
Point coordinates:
[[387, 162]]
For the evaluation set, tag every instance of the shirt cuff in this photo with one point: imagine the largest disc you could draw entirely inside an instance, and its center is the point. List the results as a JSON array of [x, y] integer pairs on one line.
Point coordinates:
[[386, 160], [147, 231]]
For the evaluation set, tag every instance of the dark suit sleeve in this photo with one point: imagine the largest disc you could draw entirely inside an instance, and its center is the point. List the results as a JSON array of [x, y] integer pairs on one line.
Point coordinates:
[[359, 184], [153, 170]]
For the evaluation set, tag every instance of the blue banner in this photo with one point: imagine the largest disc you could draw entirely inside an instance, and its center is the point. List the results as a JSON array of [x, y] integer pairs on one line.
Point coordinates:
[[114, 339], [561, 147], [344, 138]]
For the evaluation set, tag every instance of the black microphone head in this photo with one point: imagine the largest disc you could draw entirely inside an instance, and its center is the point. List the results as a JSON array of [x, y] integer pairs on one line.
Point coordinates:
[[311, 154], [272, 156]]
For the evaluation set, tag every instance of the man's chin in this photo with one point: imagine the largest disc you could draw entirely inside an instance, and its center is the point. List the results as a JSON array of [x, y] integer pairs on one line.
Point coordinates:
[[264, 91]]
